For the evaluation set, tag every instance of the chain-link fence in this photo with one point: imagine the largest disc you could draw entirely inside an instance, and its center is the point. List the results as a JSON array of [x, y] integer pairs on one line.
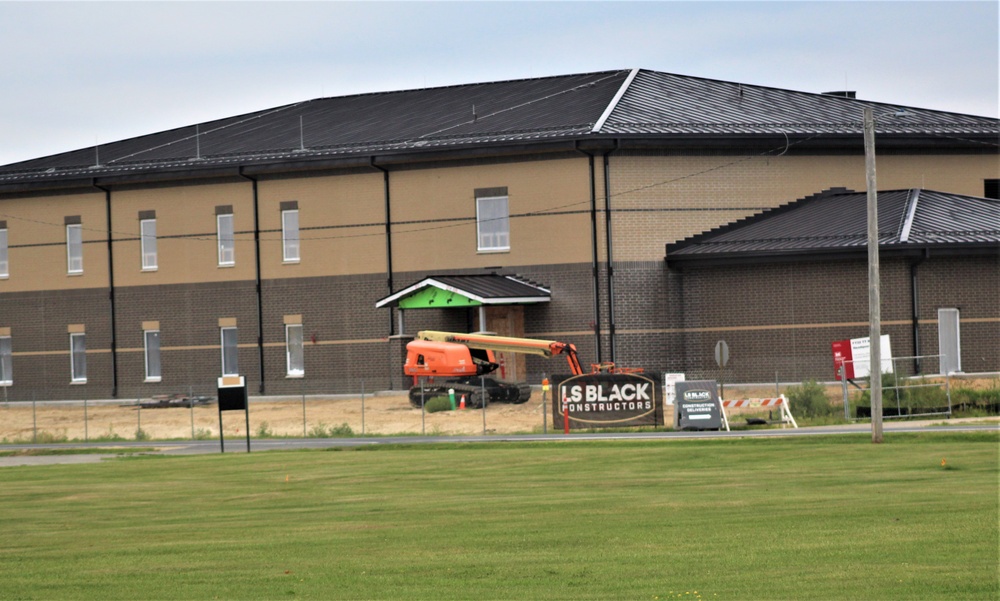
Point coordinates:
[[191, 413]]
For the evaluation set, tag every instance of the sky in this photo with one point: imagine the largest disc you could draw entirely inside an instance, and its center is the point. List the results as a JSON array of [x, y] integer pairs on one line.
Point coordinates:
[[76, 74]]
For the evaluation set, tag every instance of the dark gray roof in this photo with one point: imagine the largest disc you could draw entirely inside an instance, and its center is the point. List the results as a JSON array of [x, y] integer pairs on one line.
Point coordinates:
[[624, 105], [488, 289], [835, 222]]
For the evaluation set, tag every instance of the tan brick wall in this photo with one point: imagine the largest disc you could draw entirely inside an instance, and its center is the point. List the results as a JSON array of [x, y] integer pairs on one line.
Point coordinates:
[[36, 241], [341, 222], [657, 200], [438, 211], [187, 244]]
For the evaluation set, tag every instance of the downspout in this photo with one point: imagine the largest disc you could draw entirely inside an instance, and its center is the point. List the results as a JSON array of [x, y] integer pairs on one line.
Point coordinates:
[[388, 234], [610, 253], [259, 291], [915, 305], [111, 293], [594, 257]]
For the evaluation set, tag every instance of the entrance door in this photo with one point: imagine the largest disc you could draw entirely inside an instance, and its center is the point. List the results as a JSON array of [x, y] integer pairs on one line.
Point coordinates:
[[508, 320], [949, 341]]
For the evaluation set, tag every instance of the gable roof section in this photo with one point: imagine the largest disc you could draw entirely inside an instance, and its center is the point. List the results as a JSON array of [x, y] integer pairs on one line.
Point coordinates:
[[448, 291], [622, 105], [834, 224]]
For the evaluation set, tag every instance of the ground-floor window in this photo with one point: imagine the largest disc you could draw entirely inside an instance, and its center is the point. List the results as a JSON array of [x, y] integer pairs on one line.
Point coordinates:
[[78, 357], [151, 339], [230, 352], [294, 350]]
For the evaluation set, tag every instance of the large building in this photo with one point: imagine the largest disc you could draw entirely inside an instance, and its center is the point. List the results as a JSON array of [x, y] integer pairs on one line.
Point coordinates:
[[300, 246]]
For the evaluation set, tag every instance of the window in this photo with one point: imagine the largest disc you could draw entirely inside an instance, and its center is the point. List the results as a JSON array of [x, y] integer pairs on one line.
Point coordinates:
[[230, 352], [991, 188], [4, 266], [78, 357], [147, 228], [492, 223], [290, 235], [74, 248], [6, 362], [227, 244], [294, 352], [152, 344]]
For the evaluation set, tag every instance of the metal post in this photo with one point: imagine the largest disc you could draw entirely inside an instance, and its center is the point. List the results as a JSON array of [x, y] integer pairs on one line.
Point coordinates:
[[191, 408], [482, 384], [138, 414], [545, 390], [874, 302], [843, 385], [302, 391], [423, 419], [362, 406], [34, 421], [86, 433]]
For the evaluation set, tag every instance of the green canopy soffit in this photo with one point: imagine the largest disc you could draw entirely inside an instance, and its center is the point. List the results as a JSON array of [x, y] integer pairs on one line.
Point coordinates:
[[435, 298]]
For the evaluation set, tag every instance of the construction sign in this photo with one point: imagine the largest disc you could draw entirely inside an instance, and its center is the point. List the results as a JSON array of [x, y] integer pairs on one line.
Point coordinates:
[[607, 400]]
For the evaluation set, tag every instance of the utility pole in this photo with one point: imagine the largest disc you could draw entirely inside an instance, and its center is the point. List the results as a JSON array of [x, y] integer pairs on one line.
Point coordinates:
[[874, 302]]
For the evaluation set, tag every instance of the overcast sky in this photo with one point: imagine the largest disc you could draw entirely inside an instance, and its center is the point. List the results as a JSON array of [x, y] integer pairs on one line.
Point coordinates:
[[75, 74]]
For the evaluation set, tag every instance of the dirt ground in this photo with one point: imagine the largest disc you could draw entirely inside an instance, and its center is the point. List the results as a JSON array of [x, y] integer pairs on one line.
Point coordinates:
[[381, 415]]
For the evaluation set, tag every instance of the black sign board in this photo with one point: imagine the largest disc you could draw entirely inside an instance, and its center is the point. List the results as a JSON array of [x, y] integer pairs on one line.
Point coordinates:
[[605, 400], [697, 406], [233, 397]]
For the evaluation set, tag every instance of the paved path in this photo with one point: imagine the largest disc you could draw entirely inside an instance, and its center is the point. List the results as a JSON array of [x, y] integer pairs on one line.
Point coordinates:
[[202, 447]]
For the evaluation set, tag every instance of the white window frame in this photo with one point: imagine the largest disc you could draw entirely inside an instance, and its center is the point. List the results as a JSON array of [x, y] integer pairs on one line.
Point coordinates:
[[227, 239], [152, 354], [230, 370], [78, 365], [492, 232], [74, 248], [293, 347], [291, 249], [4, 259], [6, 361], [147, 236]]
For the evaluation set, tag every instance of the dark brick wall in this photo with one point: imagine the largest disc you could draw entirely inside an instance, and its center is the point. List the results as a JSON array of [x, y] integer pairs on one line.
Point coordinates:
[[40, 343]]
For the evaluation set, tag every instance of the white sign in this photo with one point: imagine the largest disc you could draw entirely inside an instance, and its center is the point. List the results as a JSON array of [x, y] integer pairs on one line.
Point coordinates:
[[669, 391], [861, 353]]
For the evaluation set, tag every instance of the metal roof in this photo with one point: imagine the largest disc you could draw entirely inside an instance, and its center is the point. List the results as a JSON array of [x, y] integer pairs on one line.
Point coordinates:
[[621, 104], [487, 289], [836, 222]]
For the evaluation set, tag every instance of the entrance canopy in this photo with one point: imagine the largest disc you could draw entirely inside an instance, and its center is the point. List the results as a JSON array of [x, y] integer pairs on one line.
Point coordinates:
[[446, 291]]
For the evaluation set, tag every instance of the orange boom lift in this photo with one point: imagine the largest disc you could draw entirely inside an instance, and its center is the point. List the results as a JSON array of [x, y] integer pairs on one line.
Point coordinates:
[[465, 360]]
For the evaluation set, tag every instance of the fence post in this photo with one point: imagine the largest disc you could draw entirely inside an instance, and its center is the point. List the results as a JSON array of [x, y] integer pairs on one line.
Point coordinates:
[[138, 418], [545, 390], [302, 391], [86, 432], [423, 428], [34, 421], [191, 408], [947, 390], [843, 385], [482, 384], [362, 406]]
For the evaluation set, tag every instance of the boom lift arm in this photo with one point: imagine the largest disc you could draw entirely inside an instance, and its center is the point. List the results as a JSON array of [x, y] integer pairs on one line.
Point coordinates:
[[531, 346]]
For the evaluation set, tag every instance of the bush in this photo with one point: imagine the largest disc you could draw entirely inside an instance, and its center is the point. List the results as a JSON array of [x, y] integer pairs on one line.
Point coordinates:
[[809, 400], [321, 430], [438, 403], [264, 430]]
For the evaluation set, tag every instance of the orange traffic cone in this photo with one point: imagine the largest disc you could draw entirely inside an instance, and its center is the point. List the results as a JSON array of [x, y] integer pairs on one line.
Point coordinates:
[[462, 404]]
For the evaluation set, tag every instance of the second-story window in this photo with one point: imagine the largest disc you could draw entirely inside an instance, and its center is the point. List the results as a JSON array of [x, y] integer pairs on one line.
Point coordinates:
[[226, 236], [74, 246], [290, 235], [4, 265], [147, 229], [492, 220]]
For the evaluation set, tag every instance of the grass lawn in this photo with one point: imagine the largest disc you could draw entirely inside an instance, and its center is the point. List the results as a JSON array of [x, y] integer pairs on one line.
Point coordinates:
[[808, 518]]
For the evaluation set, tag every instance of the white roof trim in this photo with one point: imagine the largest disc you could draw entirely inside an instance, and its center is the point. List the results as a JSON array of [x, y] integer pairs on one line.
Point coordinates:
[[904, 234], [486, 301], [614, 101]]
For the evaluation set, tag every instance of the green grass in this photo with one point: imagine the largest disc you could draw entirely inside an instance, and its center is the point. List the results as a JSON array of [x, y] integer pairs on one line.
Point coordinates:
[[810, 518]]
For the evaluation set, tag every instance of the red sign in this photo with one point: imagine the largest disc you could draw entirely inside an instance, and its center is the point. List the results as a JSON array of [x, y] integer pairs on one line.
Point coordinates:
[[842, 356]]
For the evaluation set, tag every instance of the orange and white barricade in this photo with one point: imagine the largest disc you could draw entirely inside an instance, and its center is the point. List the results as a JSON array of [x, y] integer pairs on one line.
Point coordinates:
[[779, 402]]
